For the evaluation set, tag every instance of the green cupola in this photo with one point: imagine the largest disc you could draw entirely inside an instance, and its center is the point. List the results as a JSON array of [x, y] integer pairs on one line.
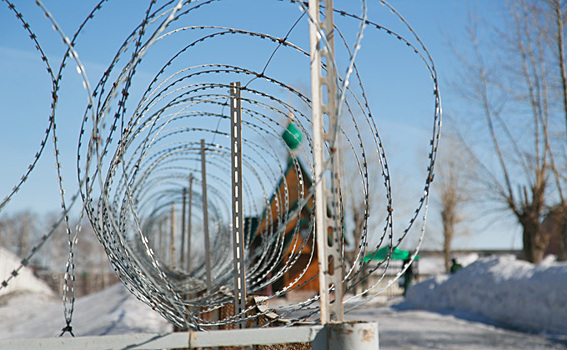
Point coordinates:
[[292, 136]]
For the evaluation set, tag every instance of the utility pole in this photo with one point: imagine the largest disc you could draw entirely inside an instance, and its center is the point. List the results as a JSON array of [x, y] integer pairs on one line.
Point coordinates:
[[172, 238], [161, 239], [183, 212], [189, 223], [206, 216]]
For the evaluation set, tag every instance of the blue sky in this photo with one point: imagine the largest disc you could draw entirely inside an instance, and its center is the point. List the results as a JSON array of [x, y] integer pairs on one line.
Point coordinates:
[[398, 87]]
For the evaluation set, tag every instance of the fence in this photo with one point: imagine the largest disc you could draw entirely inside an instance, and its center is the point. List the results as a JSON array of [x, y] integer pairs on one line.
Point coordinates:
[[337, 336]]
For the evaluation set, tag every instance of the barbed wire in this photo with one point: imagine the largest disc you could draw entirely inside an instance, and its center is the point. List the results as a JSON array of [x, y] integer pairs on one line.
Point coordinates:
[[131, 167]]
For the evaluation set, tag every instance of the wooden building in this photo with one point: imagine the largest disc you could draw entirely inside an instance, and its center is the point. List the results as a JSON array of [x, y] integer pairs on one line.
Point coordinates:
[[286, 223]]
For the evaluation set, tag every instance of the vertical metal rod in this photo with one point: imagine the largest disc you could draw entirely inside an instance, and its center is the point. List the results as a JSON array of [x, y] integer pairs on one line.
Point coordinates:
[[172, 238], [183, 232], [206, 216], [161, 240], [326, 194], [189, 223], [237, 221]]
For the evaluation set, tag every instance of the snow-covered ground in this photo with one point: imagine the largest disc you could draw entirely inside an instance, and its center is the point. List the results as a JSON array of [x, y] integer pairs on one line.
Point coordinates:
[[472, 307], [420, 330], [29, 309], [113, 311], [502, 289]]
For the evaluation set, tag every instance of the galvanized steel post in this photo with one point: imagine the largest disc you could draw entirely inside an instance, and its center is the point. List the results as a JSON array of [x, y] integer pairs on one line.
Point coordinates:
[[327, 210], [237, 221]]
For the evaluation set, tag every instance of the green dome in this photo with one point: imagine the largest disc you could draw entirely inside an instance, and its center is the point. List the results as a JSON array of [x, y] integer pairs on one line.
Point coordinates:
[[292, 136]]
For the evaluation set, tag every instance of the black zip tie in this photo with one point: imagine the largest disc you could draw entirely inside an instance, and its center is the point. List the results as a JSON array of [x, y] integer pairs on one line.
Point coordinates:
[[66, 329]]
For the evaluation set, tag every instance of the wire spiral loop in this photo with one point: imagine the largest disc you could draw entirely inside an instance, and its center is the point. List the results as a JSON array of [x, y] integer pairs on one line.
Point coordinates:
[[138, 159]]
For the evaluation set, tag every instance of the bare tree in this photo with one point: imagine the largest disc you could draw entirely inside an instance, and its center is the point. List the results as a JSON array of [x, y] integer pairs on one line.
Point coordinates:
[[54, 253], [512, 87], [454, 169], [18, 231], [556, 37], [95, 270], [358, 205]]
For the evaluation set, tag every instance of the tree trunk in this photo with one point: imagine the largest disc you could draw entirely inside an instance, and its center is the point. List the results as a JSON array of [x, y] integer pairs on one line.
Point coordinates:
[[535, 241], [562, 228], [449, 222], [562, 254]]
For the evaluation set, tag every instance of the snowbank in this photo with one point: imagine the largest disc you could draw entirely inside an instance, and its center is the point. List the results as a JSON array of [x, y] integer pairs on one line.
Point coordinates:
[[30, 309], [112, 311], [503, 289], [116, 311], [24, 282]]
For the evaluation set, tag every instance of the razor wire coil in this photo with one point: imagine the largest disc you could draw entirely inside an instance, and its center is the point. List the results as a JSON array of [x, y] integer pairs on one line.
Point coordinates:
[[134, 157]]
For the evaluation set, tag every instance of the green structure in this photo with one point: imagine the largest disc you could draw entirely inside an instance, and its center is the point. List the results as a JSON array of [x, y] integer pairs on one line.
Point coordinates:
[[292, 136], [396, 254]]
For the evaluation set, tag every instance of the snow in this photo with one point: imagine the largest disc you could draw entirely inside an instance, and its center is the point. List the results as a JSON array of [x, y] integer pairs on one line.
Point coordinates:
[[503, 290], [471, 307], [29, 309], [421, 330], [112, 311], [25, 281]]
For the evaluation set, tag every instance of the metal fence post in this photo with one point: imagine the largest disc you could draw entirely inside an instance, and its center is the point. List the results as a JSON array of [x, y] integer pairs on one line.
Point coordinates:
[[237, 222], [327, 210]]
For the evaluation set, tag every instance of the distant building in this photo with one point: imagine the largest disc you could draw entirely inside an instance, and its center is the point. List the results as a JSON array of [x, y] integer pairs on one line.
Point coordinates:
[[287, 233], [296, 241]]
